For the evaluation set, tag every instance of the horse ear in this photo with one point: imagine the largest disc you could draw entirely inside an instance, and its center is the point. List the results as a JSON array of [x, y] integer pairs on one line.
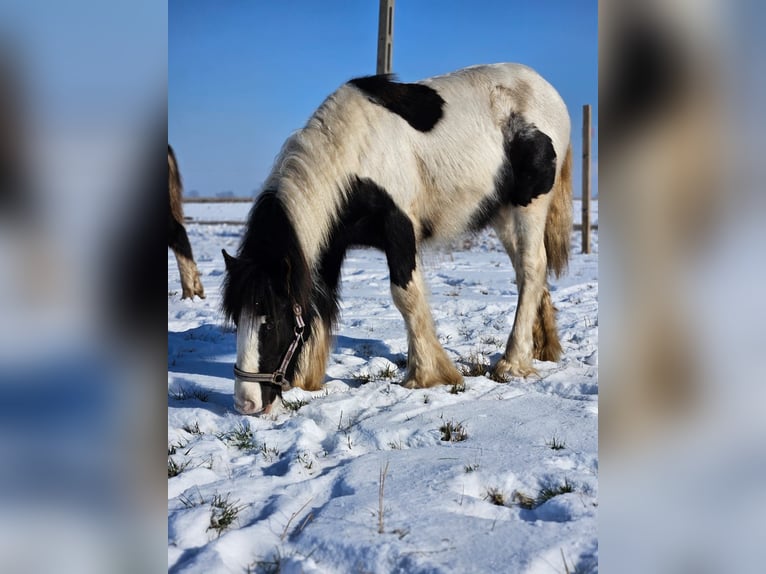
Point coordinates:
[[228, 260]]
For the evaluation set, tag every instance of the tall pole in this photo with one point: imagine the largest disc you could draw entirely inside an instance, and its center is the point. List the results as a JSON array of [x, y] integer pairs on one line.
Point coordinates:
[[385, 36], [586, 178]]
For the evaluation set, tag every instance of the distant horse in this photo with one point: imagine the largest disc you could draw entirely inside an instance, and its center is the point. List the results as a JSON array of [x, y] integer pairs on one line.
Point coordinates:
[[394, 165], [178, 241]]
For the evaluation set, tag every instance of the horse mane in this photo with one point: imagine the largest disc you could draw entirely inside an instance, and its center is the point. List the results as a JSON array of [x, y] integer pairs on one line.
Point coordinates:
[[315, 166], [270, 266], [291, 221]]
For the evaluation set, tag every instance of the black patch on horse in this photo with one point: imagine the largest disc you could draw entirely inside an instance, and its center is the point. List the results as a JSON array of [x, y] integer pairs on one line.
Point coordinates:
[[419, 105], [528, 171], [368, 218], [178, 241]]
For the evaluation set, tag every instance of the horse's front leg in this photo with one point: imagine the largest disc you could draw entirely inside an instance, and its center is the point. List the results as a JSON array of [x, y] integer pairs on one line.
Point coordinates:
[[427, 363], [312, 362], [178, 241]]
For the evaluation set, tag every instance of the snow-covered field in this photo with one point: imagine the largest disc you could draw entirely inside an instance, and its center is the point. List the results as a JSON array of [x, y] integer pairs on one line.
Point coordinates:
[[237, 211], [360, 478]]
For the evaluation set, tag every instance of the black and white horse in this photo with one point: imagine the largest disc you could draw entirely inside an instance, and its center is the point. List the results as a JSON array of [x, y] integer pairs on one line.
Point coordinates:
[[178, 241], [394, 165]]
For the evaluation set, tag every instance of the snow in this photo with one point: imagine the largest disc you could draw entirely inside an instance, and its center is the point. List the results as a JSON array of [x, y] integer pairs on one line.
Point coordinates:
[[307, 482]]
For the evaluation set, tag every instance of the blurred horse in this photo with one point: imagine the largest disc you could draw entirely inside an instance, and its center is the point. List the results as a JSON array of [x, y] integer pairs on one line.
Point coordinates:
[[178, 241]]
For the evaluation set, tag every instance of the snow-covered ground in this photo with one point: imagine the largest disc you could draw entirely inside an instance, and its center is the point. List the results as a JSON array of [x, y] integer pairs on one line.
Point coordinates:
[[301, 491], [237, 211]]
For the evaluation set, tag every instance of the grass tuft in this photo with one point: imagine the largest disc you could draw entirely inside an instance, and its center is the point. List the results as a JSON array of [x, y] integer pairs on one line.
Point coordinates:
[[223, 513], [495, 496], [185, 394], [241, 437], [475, 365], [457, 388], [269, 453], [306, 460], [174, 469], [272, 565], [189, 501], [294, 405], [453, 432], [556, 444], [523, 500], [545, 494], [387, 373], [491, 340], [550, 491], [363, 377], [192, 429]]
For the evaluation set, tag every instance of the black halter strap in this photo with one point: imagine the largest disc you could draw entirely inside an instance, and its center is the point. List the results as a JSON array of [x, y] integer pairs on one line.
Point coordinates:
[[277, 378]]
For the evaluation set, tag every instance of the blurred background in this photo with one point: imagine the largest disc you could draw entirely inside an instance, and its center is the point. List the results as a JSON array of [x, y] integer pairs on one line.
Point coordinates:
[[83, 118], [83, 112], [681, 423]]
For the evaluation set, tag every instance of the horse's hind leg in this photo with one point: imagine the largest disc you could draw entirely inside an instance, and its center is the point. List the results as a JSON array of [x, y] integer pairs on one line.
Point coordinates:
[[427, 363], [534, 335], [178, 241]]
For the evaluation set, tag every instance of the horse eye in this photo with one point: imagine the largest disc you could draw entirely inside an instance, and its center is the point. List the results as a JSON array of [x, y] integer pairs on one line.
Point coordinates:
[[269, 324]]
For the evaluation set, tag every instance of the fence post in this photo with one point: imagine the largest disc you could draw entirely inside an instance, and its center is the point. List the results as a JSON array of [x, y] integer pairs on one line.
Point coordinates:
[[586, 178], [385, 36]]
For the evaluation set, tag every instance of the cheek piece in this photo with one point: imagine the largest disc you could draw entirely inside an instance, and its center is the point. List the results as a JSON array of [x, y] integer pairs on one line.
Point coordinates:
[[277, 378]]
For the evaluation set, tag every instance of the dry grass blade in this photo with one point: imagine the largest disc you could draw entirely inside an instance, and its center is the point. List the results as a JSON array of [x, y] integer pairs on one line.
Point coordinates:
[[292, 517], [381, 492]]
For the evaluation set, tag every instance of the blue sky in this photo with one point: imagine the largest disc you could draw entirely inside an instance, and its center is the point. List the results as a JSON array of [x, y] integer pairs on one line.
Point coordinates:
[[243, 75]]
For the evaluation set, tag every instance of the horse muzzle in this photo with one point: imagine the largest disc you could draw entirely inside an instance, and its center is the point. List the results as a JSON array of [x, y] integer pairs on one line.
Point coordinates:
[[255, 398]]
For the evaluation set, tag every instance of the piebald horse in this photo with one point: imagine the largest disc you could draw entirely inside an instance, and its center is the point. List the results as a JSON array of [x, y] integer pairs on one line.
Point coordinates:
[[395, 166]]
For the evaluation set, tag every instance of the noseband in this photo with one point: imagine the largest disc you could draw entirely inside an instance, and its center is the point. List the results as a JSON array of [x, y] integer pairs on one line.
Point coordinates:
[[277, 378]]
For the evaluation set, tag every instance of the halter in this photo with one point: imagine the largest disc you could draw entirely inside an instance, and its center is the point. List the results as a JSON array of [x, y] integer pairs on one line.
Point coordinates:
[[277, 378]]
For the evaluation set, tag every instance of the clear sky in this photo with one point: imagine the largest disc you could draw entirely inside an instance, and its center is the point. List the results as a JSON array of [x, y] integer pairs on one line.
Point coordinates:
[[243, 75]]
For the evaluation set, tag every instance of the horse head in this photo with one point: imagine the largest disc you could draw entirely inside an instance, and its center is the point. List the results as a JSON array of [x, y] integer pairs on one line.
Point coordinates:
[[265, 295]]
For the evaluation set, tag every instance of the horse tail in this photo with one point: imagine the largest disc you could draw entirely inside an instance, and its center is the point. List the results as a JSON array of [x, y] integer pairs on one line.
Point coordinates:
[[558, 225], [175, 187]]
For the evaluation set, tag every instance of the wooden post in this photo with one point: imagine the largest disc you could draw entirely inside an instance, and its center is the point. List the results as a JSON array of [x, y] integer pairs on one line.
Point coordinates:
[[586, 178], [385, 36]]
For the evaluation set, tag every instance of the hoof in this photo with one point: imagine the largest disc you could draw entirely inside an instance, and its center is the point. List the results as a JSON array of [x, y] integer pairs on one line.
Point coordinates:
[[199, 290], [191, 295], [505, 370], [446, 376]]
